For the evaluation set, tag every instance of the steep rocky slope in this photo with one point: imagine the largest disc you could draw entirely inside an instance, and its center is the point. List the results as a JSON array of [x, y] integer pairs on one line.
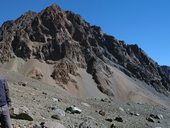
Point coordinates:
[[166, 69], [68, 44], [42, 101]]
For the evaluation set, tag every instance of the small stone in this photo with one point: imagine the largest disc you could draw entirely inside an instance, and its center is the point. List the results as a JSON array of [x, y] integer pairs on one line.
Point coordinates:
[[85, 104], [34, 88], [42, 123], [59, 100], [128, 104], [119, 119], [73, 110], [131, 113], [159, 116], [121, 109], [22, 83], [16, 126], [112, 126], [150, 119], [44, 93], [102, 100], [109, 119], [105, 100], [136, 114], [128, 109], [55, 99], [102, 113]]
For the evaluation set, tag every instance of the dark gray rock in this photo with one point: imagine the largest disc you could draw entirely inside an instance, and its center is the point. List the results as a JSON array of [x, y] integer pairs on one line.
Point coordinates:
[[159, 116], [22, 83], [73, 110], [150, 119], [109, 119], [119, 119], [102, 112], [134, 113], [113, 126]]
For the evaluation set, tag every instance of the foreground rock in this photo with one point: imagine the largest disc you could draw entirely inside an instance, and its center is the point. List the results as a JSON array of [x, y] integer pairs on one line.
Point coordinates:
[[73, 110], [58, 114], [21, 113]]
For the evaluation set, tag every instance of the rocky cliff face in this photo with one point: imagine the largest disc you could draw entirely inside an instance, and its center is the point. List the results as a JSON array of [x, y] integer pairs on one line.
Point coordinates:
[[166, 69], [68, 41]]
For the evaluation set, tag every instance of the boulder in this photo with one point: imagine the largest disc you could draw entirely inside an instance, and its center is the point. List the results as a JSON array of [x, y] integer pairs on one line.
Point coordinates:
[[58, 114], [73, 110], [22, 113]]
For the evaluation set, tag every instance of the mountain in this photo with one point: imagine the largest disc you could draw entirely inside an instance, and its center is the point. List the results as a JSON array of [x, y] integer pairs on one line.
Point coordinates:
[[60, 48], [166, 69], [55, 61]]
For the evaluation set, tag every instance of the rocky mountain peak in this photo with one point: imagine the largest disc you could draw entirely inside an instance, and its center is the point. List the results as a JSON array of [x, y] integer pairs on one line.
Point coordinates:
[[54, 7], [64, 37]]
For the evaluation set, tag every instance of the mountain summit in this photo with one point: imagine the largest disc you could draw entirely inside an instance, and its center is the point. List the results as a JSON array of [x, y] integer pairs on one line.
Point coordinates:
[[80, 58]]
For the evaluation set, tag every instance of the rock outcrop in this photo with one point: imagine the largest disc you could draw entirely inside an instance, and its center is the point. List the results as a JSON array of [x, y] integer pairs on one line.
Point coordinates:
[[68, 41], [166, 69]]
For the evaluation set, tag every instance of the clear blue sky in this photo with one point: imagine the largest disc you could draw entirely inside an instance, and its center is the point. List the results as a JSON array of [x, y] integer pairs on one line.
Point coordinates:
[[143, 22]]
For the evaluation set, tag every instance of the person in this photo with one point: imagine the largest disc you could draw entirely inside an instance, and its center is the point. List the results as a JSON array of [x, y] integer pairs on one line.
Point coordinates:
[[5, 103]]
